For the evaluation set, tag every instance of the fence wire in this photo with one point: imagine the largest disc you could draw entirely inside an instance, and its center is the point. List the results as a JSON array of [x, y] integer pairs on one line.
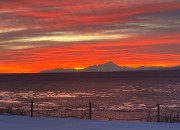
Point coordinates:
[[95, 112]]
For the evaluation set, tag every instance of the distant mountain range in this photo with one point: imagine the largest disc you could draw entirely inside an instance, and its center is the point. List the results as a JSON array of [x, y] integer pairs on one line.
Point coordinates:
[[108, 67]]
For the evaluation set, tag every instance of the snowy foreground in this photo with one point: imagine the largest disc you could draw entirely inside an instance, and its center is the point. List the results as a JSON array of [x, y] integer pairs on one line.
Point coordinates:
[[8, 122]]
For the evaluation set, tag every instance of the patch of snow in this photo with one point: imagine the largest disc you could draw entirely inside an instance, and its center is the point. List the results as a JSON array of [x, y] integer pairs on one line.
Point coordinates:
[[8, 122]]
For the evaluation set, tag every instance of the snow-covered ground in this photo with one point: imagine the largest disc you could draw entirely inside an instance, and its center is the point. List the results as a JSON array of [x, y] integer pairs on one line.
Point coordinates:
[[8, 122]]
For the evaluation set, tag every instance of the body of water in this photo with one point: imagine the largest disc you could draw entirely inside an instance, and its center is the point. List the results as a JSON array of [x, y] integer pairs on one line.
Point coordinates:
[[113, 90]]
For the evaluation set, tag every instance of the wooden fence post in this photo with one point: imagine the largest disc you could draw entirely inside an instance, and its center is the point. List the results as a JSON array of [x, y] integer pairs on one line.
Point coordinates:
[[90, 110], [177, 117], [158, 112], [32, 107]]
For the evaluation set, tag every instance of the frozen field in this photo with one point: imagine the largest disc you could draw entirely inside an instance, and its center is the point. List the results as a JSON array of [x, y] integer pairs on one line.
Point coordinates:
[[8, 122]]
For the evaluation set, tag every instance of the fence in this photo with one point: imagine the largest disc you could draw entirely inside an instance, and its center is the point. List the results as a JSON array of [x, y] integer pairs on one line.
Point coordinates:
[[157, 113]]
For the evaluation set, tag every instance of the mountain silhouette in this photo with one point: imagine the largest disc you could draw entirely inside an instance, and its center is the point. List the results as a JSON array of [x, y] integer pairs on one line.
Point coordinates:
[[108, 67], [58, 70]]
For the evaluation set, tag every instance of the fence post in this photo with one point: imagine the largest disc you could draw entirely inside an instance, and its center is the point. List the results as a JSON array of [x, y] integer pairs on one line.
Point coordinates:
[[177, 118], [32, 107], [158, 112], [90, 110]]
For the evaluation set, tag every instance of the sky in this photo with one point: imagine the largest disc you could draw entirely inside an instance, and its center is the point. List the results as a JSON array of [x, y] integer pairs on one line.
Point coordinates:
[[46, 34]]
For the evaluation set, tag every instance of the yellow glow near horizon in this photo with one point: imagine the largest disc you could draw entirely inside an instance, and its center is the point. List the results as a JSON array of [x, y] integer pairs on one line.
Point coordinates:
[[78, 68]]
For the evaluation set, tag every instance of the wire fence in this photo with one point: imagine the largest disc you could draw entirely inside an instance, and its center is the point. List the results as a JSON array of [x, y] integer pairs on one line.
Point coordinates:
[[157, 113]]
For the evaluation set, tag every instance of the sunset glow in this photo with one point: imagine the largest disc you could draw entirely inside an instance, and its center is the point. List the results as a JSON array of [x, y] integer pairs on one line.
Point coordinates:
[[45, 34]]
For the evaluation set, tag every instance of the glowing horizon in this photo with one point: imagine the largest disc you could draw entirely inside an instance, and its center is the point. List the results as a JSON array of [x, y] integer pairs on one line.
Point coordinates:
[[46, 34]]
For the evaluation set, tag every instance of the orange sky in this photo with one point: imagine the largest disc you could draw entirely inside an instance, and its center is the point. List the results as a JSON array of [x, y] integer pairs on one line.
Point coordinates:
[[45, 34]]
